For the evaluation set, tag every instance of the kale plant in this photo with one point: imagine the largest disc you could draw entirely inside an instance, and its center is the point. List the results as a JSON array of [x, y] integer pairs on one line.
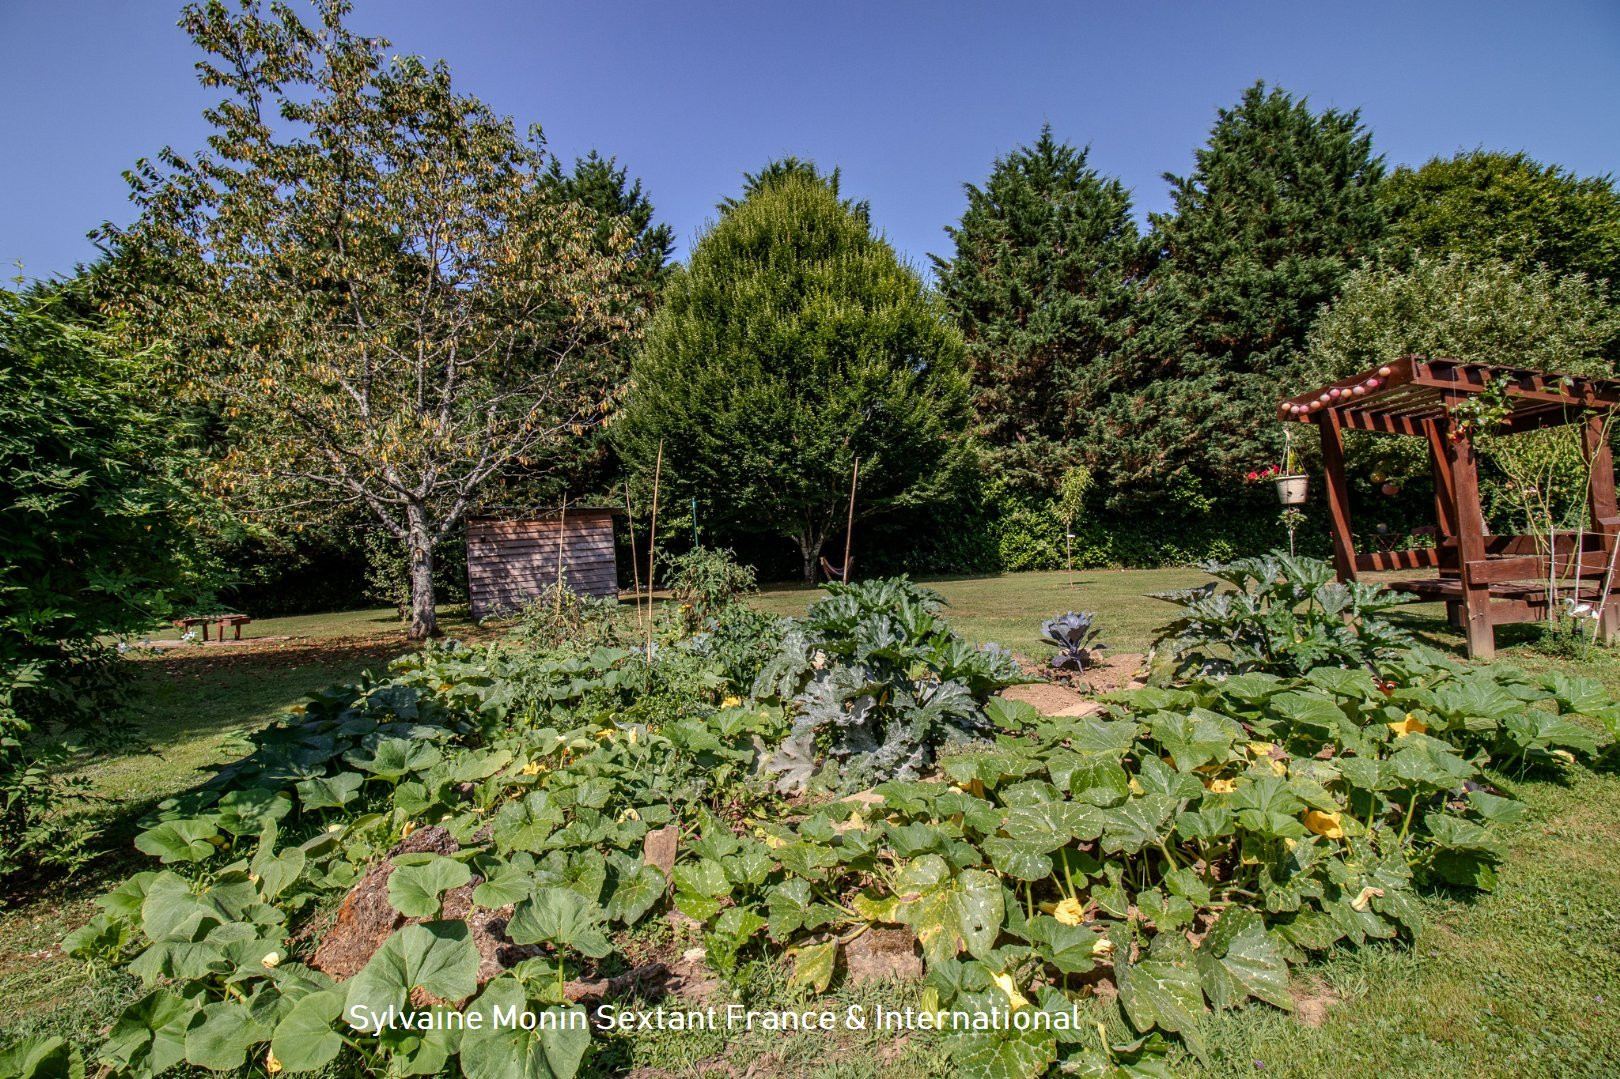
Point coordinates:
[[1286, 616], [878, 679], [1075, 636]]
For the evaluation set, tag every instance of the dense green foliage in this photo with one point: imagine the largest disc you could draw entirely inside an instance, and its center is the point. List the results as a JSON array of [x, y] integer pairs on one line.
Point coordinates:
[[793, 343], [1280, 206], [1483, 312], [1286, 616], [1190, 843], [99, 522], [1041, 283], [878, 678], [1499, 207]]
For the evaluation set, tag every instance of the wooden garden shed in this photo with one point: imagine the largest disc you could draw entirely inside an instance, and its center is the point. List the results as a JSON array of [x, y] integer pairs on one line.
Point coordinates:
[[512, 560], [1485, 580]]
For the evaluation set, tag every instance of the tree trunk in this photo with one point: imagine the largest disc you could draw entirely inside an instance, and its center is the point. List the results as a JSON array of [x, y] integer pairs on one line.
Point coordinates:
[[810, 547], [424, 619]]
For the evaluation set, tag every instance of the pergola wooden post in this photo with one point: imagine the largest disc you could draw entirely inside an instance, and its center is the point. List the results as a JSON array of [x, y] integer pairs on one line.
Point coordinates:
[[1470, 533], [1600, 505], [1338, 495], [1484, 580]]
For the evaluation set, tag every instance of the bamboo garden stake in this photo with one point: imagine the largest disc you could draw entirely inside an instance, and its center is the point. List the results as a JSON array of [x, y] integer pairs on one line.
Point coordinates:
[[652, 544]]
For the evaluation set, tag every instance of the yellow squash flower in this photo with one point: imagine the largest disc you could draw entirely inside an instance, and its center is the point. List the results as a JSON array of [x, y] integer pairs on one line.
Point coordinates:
[[271, 1064], [1221, 786], [532, 768], [1005, 983], [731, 702], [1410, 725], [974, 787], [1069, 912], [410, 826], [1103, 949], [1326, 825], [1364, 899], [271, 961]]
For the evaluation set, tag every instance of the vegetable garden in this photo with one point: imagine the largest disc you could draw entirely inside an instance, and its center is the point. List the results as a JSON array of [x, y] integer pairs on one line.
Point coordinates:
[[543, 821]]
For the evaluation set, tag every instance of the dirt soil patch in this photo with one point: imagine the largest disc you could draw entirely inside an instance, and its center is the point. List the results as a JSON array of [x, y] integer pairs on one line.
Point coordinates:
[[1071, 695], [1312, 999], [1051, 699]]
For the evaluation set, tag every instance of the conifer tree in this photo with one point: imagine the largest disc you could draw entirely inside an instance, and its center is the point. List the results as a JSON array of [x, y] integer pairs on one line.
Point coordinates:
[[1280, 206], [794, 342], [1047, 261]]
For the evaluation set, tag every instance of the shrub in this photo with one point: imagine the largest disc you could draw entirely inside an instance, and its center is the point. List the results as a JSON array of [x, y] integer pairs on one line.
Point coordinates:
[[878, 679], [559, 617], [99, 524], [708, 580], [1286, 616]]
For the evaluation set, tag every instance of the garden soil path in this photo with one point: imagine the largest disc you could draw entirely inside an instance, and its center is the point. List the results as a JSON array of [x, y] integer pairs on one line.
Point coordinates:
[[1073, 697]]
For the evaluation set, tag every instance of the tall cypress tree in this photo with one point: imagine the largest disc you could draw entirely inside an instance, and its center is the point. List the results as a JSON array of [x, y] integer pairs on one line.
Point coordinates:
[[1047, 258], [792, 343], [1280, 206]]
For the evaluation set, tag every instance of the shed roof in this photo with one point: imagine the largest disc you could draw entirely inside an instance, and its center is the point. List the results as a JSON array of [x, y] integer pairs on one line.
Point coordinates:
[[1400, 397]]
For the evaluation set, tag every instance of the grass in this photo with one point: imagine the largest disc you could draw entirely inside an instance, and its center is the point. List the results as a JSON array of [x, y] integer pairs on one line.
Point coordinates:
[[1008, 607], [1523, 981]]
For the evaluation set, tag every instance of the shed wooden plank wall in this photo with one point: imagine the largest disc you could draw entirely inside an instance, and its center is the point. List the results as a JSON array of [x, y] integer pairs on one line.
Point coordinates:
[[509, 563]]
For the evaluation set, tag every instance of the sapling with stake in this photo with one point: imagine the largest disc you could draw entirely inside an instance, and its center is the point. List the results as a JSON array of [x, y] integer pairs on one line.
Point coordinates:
[[1071, 498]]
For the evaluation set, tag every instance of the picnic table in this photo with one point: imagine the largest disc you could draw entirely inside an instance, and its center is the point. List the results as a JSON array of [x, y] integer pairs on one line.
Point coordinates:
[[235, 621]]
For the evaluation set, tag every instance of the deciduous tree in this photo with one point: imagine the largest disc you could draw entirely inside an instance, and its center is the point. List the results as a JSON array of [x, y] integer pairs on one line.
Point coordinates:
[[374, 277], [1498, 207]]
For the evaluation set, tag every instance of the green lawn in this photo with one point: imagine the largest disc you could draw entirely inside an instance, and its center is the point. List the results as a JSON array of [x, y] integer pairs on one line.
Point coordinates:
[[1008, 607], [1522, 981]]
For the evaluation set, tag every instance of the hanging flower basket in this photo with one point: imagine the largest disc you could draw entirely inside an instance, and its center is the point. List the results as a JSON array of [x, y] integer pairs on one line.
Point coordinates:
[[1291, 489]]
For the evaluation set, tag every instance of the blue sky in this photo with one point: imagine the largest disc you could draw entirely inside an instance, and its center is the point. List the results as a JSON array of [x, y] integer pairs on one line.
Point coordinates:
[[911, 99]]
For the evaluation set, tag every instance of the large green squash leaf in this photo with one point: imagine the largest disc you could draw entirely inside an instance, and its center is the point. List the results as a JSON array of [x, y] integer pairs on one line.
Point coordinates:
[[222, 1033], [188, 839], [150, 1036], [561, 917], [436, 956], [415, 888], [553, 1050], [329, 792], [1003, 1054], [305, 1039], [1238, 960], [1163, 991], [42, 1058]]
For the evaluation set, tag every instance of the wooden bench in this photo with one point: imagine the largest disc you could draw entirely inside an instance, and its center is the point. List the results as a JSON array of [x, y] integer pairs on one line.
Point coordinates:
[[235, 621]]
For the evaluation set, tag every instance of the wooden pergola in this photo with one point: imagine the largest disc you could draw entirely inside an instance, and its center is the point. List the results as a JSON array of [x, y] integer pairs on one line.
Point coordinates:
[[1485, 580]]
